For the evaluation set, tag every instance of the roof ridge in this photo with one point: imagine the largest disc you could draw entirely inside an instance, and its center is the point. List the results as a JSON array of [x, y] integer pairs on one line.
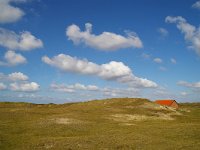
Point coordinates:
[[172, 102]]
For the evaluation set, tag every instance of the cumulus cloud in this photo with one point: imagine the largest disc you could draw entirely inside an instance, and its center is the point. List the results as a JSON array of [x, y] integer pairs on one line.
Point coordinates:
[[113, 70], [18, 81], [13, 59], [173, 61], [24, 41], [196, 5], [10, 13], [171, 19], [73, 88], [189, 85], [17, 76], [106, 41], [2, 86], [163, 32], [24, 87], [191, 33], [157, 60]]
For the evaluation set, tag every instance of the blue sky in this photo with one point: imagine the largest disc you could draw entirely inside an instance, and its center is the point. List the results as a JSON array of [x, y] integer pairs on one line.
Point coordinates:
[[77, 50]]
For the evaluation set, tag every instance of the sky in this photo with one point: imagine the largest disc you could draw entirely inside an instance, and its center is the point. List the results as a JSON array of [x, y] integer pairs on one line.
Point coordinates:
[[69, 51]]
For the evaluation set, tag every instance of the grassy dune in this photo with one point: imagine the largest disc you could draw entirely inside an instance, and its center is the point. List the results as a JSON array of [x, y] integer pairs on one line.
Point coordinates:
[[100, 124]]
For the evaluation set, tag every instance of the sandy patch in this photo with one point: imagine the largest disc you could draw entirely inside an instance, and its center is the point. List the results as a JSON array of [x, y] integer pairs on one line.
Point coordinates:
[[137, 117], [184, 110], [157, 107], [127, 124], [66, 121], [163, 116], [153, 106]]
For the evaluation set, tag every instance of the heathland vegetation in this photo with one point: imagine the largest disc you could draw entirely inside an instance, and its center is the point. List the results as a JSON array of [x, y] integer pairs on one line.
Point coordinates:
[[122, 123]]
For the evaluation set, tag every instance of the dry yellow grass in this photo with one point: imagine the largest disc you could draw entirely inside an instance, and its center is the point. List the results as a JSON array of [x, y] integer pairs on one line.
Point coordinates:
[[101, 124]]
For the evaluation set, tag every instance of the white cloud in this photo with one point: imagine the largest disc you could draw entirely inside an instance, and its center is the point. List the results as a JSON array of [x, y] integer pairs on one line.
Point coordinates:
[[157, 60], [2, 86], [163, 32], [24, 87], [106, 41], [9, 13], [17, 76], [19, 82], [73, 88], [13, 59], [80, 89], [173, 61], [79, 86], [62, 88], [196, 5], [113, 70], [92, 88], [189, 85], [24, 41], [171, 19], [191, 33]]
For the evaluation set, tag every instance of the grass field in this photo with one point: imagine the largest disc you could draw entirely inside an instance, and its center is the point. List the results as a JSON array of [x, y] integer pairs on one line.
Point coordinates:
[[100, 124]]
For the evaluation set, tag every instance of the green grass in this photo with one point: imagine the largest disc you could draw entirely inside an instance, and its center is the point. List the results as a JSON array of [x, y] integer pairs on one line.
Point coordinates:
[[91, 125]]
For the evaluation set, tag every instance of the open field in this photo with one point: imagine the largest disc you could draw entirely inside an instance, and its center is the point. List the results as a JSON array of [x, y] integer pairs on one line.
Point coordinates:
[[101, 124]]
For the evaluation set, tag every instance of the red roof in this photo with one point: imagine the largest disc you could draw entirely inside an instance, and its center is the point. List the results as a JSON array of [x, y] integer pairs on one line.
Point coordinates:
[[165, 102]]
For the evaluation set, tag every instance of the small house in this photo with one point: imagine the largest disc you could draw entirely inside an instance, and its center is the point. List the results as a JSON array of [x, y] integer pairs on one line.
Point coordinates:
[[169, 103]]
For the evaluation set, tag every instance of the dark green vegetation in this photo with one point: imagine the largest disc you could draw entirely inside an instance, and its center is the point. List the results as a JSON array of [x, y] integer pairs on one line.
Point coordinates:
[[100, 124]]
